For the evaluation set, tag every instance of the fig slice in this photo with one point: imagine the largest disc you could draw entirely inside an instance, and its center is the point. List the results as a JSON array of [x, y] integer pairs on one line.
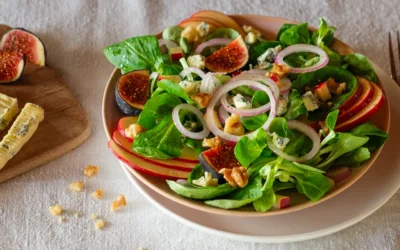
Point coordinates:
[[229, 58], [11, 66], [26, 43]]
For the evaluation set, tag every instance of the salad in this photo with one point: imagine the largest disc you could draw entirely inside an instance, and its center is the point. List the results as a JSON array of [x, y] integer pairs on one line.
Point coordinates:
[[233, 119]]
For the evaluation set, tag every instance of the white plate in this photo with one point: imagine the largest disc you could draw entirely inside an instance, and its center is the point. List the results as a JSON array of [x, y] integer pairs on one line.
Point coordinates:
[[359, 201]]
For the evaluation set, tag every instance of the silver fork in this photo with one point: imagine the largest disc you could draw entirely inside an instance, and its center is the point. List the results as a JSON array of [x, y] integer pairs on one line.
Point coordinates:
[[392, 62]]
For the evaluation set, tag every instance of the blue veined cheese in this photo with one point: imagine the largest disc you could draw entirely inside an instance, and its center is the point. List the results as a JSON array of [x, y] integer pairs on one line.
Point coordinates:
[[269, 55], [197, 61], [240, 102], [279, 142], [190, 87], [206, 180], [203, 29], [281, 106], [20, 132], [310, 101], [8, 110]]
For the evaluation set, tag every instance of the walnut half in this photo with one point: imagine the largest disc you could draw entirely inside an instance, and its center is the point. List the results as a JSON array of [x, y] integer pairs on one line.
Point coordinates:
[[236, 176]]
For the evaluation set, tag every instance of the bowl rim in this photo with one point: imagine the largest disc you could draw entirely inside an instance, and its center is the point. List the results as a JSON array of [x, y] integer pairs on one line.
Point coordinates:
[[203, 207]]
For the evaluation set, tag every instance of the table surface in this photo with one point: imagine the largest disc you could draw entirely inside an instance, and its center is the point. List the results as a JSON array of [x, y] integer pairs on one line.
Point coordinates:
[[75, 33]]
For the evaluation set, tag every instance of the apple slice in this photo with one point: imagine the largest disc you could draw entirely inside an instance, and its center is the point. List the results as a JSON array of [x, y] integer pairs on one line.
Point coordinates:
[[281, 202], [352, 99], [339, 174], [170, 163], [220, 17], [195, 21], [187, 155], [363, 100], [372, 107], [144, 166], [124, 123]]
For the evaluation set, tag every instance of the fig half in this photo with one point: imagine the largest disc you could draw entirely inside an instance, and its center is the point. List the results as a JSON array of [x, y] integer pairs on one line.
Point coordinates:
[[132, 92], [11, 66], [26, 43], [229, 58]]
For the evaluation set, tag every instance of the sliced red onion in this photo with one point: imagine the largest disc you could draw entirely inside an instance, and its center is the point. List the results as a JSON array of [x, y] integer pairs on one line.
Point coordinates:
[[297, 48], [212, 42], [222, 114], [194, 135], [262, 72], [256, 77], [256, 111], [223, 91], [308, 131], [210, 84], [168, 43], [189, 70]]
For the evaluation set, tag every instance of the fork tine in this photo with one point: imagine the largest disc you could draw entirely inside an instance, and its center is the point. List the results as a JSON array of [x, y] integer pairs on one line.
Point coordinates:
[[398, 44], [392, 63]]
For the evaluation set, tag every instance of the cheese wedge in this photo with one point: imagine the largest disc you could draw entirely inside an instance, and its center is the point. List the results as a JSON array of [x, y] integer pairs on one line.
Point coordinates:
[[20, 132], [8, 110]]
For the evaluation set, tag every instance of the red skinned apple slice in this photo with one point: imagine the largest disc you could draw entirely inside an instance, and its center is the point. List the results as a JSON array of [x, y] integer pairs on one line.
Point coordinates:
[[229, 58], [144, 166], [352, 99], [188, 155], [373, 106], [339, 174], [11, 66], [281, 202], [222, 18], [25, 43], [195, 21], [174, 164], [363, 100]]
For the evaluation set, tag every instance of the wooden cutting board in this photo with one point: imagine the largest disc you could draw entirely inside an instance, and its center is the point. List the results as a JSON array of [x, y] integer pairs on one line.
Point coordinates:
[[65, 125]]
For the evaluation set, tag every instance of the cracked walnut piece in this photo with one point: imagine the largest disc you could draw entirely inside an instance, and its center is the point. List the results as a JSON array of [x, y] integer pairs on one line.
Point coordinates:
[[211, 142], [118, 203], [91, 170], [77, 186], [98, 194], [55, 210], [202, 99], [236, 176], [279, 70]]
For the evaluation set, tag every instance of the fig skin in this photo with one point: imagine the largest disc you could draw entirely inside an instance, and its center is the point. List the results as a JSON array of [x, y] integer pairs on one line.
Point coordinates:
[[229, 58]]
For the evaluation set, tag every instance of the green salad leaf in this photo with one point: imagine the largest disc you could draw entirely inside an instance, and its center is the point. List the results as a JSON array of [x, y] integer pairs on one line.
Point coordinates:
[[135, 53], [359, 65], [354, 158], [295, 34], [299, 144], [249, 148], [345, 143], [174, 88], [313, 185], [196, 173], [156, 108], [172, 33], [279, 186], [222, 33], [169, 68], [279, 126], [200, 193], [161, 142], [296, 106], [330, 122], [194, 144], [255, 122], [377, 137], [324, 34], [283, 28], [266, 201]]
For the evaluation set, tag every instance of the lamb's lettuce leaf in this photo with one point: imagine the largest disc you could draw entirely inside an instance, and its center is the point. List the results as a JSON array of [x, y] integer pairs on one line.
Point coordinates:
[[359, 65]]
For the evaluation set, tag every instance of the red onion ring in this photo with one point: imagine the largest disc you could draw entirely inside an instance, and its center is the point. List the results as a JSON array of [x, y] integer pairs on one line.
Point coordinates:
[[194, 135], [323, 57], [189, 70], [153, 75], [305, 129], [210, 84], [168, 43], [285, 86], [262, 72], [222, 114], [212, 42], [256, 111], [209, 116], [256, 77]]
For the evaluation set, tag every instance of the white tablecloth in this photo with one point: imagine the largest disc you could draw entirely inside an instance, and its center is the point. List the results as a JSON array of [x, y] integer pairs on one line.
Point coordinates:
[[75, 33]]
